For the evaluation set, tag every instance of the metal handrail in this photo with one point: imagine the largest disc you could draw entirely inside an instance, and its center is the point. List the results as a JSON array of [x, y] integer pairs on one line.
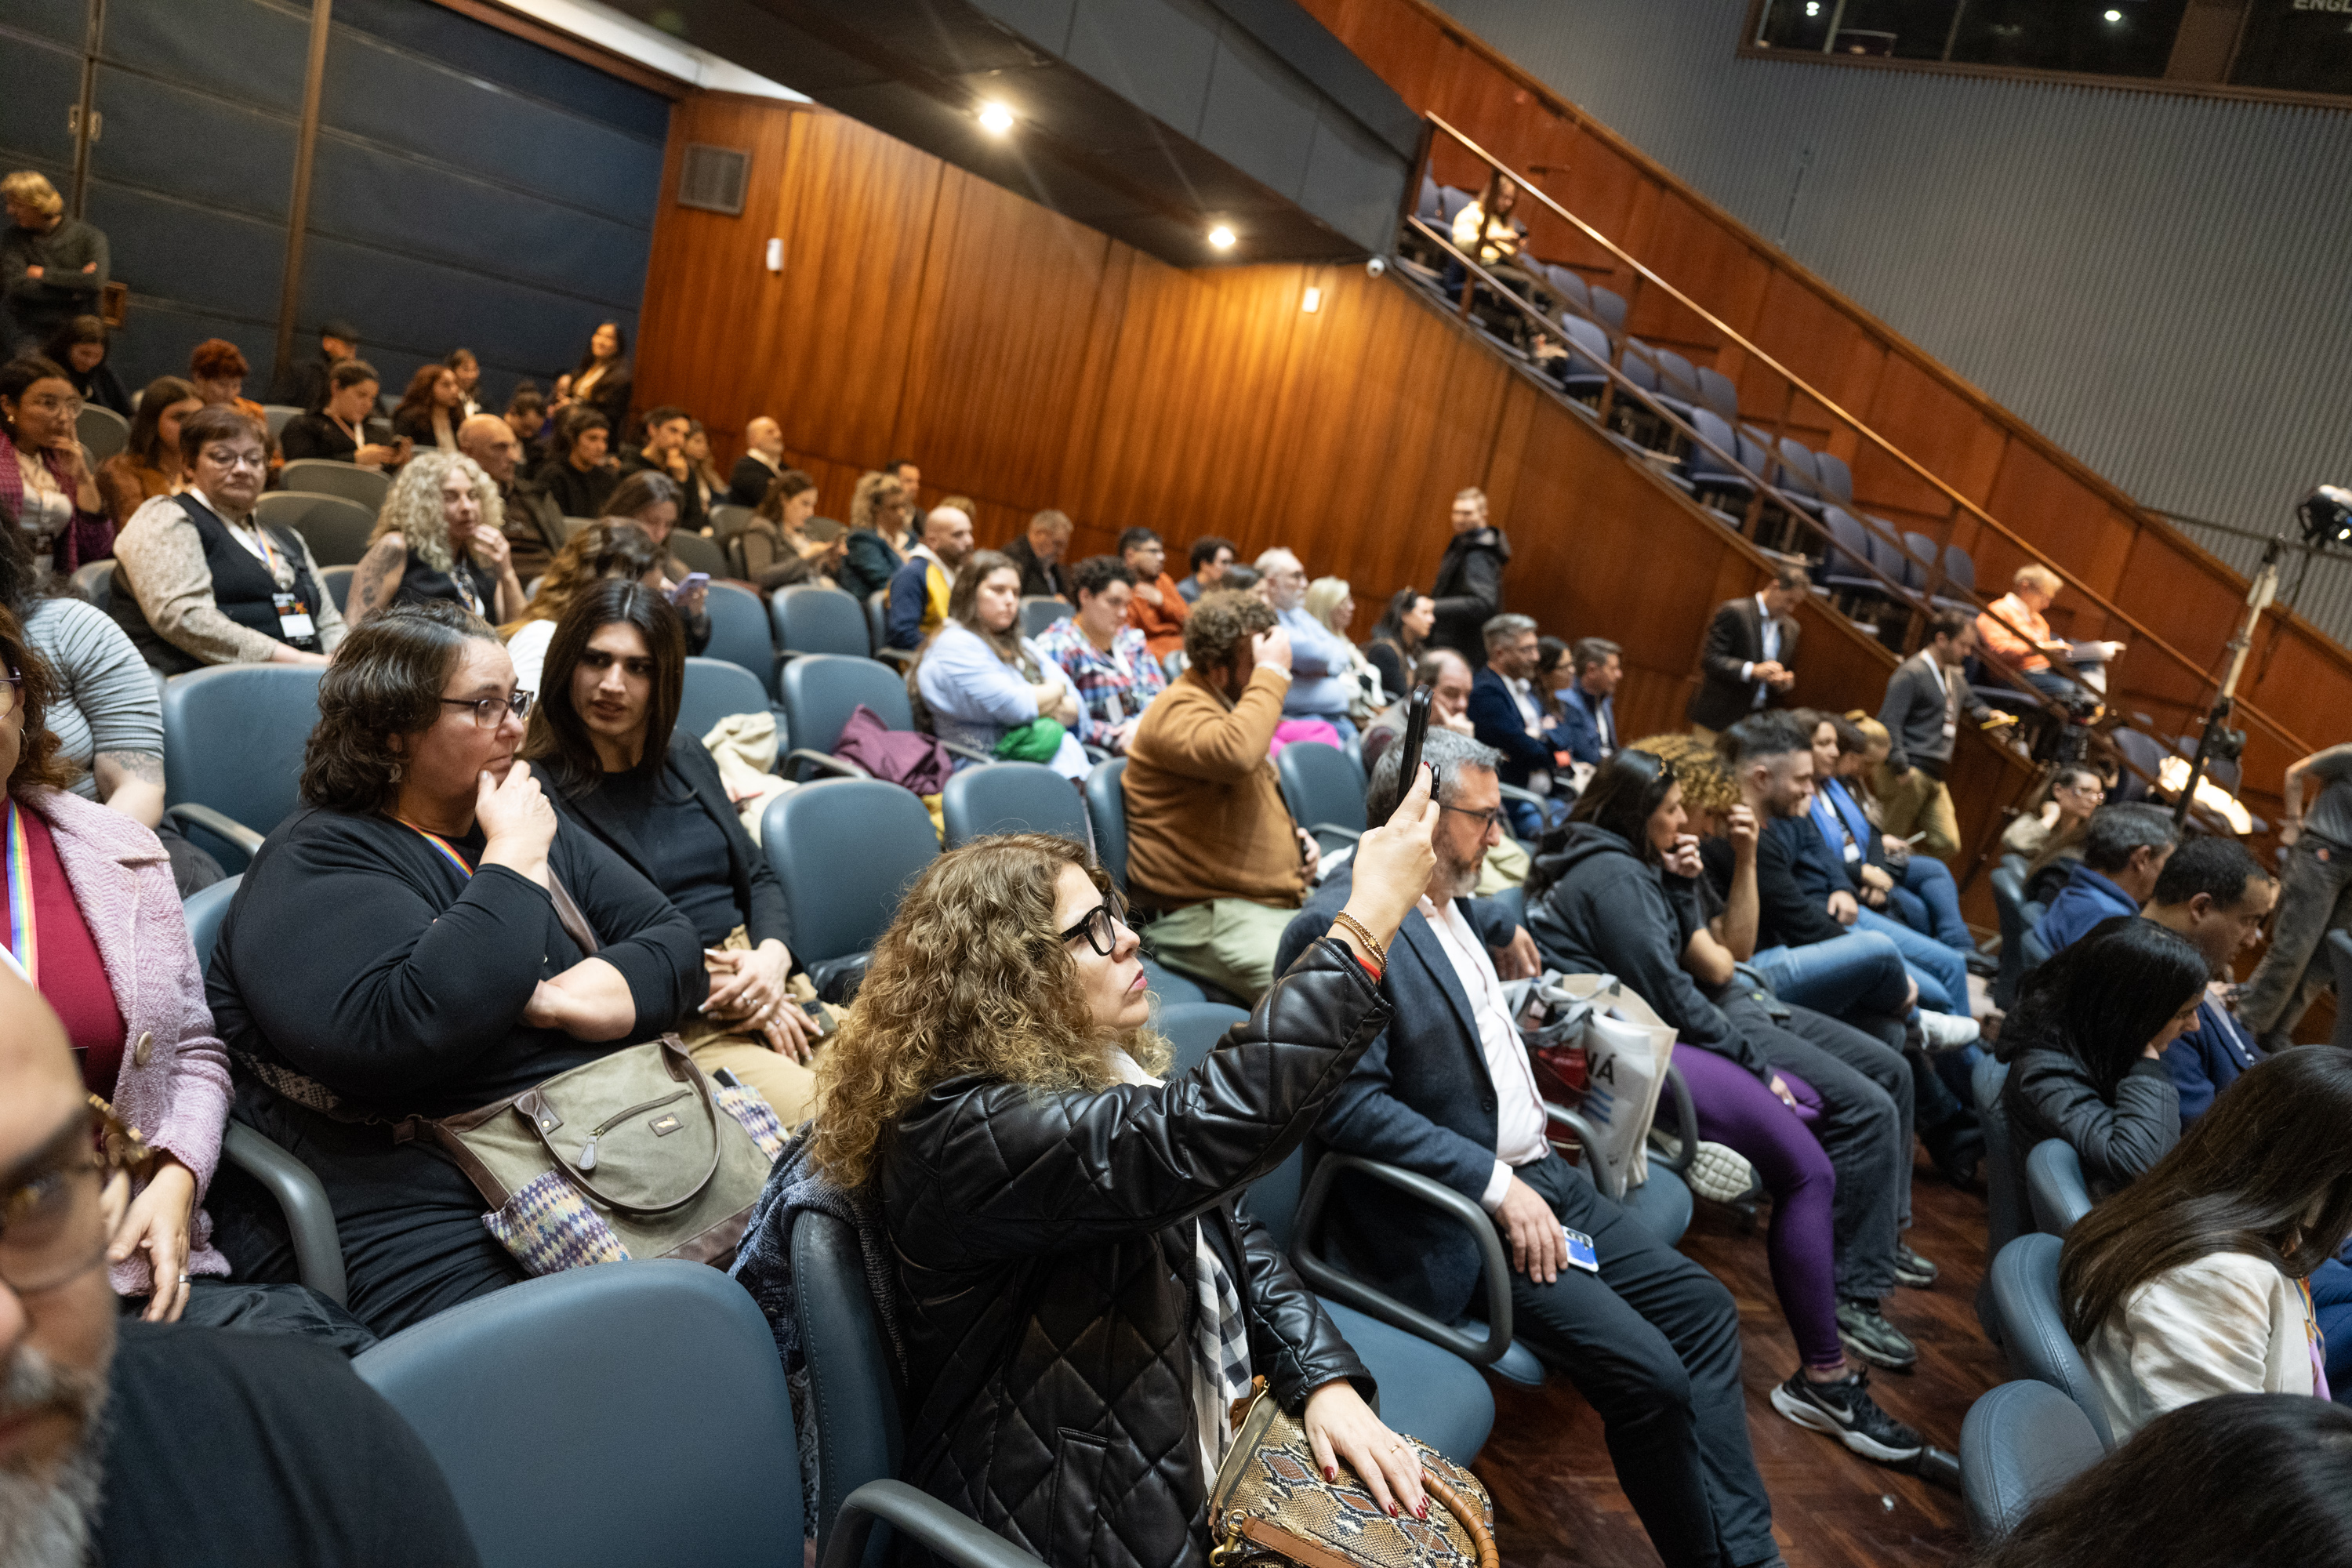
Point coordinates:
[[2206, 679]]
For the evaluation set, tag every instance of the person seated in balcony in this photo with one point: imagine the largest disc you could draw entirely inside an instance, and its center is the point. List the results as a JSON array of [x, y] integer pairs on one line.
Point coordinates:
[[1319, 660], [432, 409], [2196, 1279], [609, 548], [1647, 1336], [148, 464], [2124, 851], [977, 682], [338, 426], [1490, 231], [775, 546], [440, 536], [761, 463], [1158, 610], [434, 975], [1015, 1124], [78, 348], [2016, 640], [878, 537], [919, 588], [200, 581], [1104, 658], [605, 740], [1038, 553], [1207, 561], [577, 474]]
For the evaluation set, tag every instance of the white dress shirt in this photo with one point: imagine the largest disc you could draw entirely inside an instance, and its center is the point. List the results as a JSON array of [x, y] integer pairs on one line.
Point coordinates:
[[1771, 634], [1523, 693], [1520, 1124]]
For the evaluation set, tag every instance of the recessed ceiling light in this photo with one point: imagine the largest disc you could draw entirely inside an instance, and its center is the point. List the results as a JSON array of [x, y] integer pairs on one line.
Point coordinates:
[[2115, 16], [995, 118], [1812, 7], [1222, 237]]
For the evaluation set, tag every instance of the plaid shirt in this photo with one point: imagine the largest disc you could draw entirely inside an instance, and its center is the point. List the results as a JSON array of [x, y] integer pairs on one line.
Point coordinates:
[[1113, 687]]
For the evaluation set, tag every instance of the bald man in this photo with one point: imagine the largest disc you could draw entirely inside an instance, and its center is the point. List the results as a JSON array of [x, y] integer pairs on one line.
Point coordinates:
[[214, 1447], [919, 589], [534, 524], [762, 461]]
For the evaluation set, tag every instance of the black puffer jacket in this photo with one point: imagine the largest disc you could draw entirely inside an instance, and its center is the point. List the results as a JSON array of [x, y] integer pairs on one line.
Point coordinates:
[[1046, 1263]]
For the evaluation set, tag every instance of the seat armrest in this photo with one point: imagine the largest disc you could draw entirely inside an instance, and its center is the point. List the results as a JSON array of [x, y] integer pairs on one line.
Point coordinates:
[[970, 753], [1495, 1265], [897, 658], [923, 1518], [318, 1245], [799, 756], [1685, 1122], [191, 814], [1319, 828]]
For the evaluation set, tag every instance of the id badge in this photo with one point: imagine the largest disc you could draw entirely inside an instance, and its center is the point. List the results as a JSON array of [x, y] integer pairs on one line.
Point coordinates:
[[294, 618], [1580, 1254]]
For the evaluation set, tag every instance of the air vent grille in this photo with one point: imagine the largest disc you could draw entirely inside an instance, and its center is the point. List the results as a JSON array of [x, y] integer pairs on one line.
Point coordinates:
[[713, 179]]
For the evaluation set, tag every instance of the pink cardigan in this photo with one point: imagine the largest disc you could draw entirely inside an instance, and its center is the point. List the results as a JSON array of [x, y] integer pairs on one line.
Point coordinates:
[[173, 1086]]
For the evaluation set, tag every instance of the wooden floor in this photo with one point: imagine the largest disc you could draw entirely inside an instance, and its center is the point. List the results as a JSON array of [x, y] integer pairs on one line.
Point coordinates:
[[1557, 1499]]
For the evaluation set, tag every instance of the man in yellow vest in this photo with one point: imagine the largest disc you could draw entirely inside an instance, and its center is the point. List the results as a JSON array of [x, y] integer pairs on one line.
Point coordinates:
[[918, 590]]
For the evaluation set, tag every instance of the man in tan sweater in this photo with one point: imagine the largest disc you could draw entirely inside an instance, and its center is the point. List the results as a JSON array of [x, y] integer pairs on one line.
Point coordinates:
[[1209, 844]]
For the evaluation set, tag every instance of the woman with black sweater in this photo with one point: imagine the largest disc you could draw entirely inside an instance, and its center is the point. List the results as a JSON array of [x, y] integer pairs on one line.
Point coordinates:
[[396, 951], [605, 736]]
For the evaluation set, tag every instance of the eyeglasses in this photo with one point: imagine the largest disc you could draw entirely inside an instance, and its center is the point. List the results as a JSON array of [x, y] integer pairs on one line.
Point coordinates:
[[53, 1222], [1489, 821], [1101, 926], [69, 406], [221, 457], [489, 712], [12, 688]]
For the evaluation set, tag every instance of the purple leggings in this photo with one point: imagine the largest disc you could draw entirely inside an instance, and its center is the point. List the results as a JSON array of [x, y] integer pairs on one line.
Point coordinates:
[[1738, 1111]]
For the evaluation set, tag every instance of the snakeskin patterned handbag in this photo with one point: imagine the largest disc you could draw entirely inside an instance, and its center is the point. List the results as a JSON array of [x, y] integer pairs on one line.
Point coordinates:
[[1270, 1504]]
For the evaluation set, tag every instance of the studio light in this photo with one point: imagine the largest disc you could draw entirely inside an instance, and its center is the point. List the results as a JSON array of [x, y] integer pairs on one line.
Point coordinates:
[[1222, 237], [2327, 515], [2115, 16], [996, 118]]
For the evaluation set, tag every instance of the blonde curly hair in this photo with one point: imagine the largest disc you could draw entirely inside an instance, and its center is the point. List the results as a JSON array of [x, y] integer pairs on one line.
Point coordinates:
[[412, 510], [968, 982], [1708, 788], [874, 491]]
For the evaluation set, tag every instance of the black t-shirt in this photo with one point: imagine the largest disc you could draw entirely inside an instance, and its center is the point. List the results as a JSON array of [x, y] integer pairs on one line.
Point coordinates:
[[263, 1449], [686, 849]]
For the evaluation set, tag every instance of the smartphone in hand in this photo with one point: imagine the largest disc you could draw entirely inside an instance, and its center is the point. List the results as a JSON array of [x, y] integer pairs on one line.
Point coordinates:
[[693, 580], [1416, 728]]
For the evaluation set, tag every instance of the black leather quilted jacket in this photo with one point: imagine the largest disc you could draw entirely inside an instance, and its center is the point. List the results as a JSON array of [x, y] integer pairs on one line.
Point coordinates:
[[1045, 1259]]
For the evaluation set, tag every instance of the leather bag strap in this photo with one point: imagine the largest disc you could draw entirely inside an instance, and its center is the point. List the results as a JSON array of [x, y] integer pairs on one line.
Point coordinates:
[[1471, 1517], [575, 924]]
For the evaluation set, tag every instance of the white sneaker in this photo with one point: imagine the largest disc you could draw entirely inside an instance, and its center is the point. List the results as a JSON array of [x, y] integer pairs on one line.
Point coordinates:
[[1718, 1174], [1943, 1032]]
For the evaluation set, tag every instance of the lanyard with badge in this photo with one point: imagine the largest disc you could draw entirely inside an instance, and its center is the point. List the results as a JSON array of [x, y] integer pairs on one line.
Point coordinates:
[[1951, 698], [295, 623]]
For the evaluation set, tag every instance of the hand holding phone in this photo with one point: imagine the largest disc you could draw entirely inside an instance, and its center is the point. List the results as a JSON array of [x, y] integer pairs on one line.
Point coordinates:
[[695, 583], [1416, 730]]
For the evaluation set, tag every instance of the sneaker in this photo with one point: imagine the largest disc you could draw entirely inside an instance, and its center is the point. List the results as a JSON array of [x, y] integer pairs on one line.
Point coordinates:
[[1957, 1147], [1986, 965], [1869, 1335], [1845, 1411], [1943, 1032], [1912, 1269]]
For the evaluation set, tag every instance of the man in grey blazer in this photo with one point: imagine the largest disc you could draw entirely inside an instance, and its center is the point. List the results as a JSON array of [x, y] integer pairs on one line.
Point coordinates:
[[1926, 697]]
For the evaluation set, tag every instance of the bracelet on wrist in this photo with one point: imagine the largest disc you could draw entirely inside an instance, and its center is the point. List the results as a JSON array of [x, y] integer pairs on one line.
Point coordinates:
[[1364, 933]]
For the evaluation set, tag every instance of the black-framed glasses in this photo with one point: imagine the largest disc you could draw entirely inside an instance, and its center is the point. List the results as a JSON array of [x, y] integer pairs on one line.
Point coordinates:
[[1489, 821], [489, 712], [53, 1220], [12, 692], [1100, 928]]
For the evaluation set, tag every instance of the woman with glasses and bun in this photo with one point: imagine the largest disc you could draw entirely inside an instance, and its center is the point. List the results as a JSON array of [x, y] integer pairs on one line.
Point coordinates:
[[396, 951], [605, 739]]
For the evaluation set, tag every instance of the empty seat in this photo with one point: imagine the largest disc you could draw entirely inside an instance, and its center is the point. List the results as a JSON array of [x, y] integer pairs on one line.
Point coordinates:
[[845, 851], [819, 692], [102, 431], [2021, 1441], [336, 530], [2024, 1285], [740, 634], [1677, 382], [1796, 478], [1428, 206], [1959, 580], [233, 736], [812, 620], [715, 689], [1719, 394], [1325, 792], [1609, 308], [335, 583], [2005, 1211], [697, 554], [1843, 568], [728, 519], [1712, 478], [333, 476], [1584, 372], [1039, 610], [1575, 294], [277, 415], [1835, 479], [1011, 797], [2054, 1188], [1107, 814], [1920, 554]]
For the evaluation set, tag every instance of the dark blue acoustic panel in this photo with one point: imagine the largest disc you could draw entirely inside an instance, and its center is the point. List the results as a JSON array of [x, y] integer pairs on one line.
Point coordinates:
[[192, 252], [440, 33], [56, 21], [243, 50], [193, 146], [38, 87], [161, 333]]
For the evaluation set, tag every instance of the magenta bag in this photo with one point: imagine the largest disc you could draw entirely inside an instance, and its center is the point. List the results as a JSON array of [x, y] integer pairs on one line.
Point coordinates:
[[1293, 732], [902, 757]]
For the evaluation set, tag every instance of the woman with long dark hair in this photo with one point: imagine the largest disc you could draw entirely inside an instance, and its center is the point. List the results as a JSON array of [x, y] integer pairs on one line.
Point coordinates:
[[774, 550], [2085, 1047], [609, 547], [80, 347], [1399, 636], [601, 380], [605, 739], [1598, 903], [2194, 1280], [46, 490], [978, 679], [431, 409]]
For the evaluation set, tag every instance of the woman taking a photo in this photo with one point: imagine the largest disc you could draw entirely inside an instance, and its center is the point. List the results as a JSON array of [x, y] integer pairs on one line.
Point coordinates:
[[431, 409], [2085, 1049], [46, 490], [148, 464], [101, 938], [1399, 638], [774, 550], [978, 680], [605, 740], [416, 884], [2195, 1281], [440, 536], [607, 548], [1050, 1200]]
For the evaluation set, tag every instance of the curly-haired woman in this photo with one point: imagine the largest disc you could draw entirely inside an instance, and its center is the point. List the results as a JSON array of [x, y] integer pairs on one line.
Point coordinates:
[[394, 949], [1064, 1219], [439, 536], [878, 536]]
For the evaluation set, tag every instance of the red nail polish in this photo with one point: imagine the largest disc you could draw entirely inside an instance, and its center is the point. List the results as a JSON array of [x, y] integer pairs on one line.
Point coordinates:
[[1329, 1474], [1422, 1511], [1392, 1510]]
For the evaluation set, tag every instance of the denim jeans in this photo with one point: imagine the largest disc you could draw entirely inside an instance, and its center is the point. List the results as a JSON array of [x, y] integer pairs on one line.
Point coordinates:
[[1942, 975], [1859, 971], [1928, 900]]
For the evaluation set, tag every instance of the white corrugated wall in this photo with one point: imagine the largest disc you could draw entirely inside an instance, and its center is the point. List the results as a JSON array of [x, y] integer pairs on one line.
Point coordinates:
[[2161, 284]]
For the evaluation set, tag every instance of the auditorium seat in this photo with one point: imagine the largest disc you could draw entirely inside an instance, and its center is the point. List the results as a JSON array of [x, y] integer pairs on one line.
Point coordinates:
[[2054, 1188], [336, 529], [2024, 1285], [277, 417], [1011, 797], [1844, 570], [1836, 479], [2005, 1213], [1609, 310], [1959, 582], [1575, 294], [2021, 1441], [1107, 814], [1713, 480], [740, 634], [95, 582], [234, 735], [715, 689], [333, 476], [1583, 374], [808, 618], [728, 519], [1796, 477], [606, 1418], [2336, 951], [877, 611], [1721, 396], [1325, 792], [102, 431], [819, 692], [1039, 610], [845, 851], [2009, 903], [697, 554], [335, 583]]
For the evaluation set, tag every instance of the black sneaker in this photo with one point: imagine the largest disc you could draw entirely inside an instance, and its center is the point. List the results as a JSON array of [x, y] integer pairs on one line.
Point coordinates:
[[1845, 1411], [1873, 1338], [1912, 1269]]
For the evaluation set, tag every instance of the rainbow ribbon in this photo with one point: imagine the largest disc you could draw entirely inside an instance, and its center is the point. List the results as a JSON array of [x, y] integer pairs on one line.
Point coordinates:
[[23, 943], [448, 851]]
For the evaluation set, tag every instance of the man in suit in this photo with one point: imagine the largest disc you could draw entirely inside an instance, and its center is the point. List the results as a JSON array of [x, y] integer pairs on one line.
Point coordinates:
[[762, 461], [1647, 1336], [1507, 714], [1750, 654], [1468, 590], [1588, 724], [1926, 697], [534, 524]]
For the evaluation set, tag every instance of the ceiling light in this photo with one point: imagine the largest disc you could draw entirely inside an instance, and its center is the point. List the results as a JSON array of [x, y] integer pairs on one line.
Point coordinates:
[[1222, 237], [2115, 16], [995, 118], [1812, 7]]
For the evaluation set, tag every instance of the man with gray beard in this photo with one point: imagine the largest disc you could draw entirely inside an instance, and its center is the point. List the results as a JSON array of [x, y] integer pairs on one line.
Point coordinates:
[[129, 1443]]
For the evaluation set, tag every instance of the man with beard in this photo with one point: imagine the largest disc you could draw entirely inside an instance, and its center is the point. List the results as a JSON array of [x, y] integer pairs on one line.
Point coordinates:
[[1648, 1337], [126, 1442]]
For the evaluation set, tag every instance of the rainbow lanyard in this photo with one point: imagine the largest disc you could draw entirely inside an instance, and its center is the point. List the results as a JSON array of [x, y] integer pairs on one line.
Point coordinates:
[[448, 851], [22, 942], [2317, 1339]]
